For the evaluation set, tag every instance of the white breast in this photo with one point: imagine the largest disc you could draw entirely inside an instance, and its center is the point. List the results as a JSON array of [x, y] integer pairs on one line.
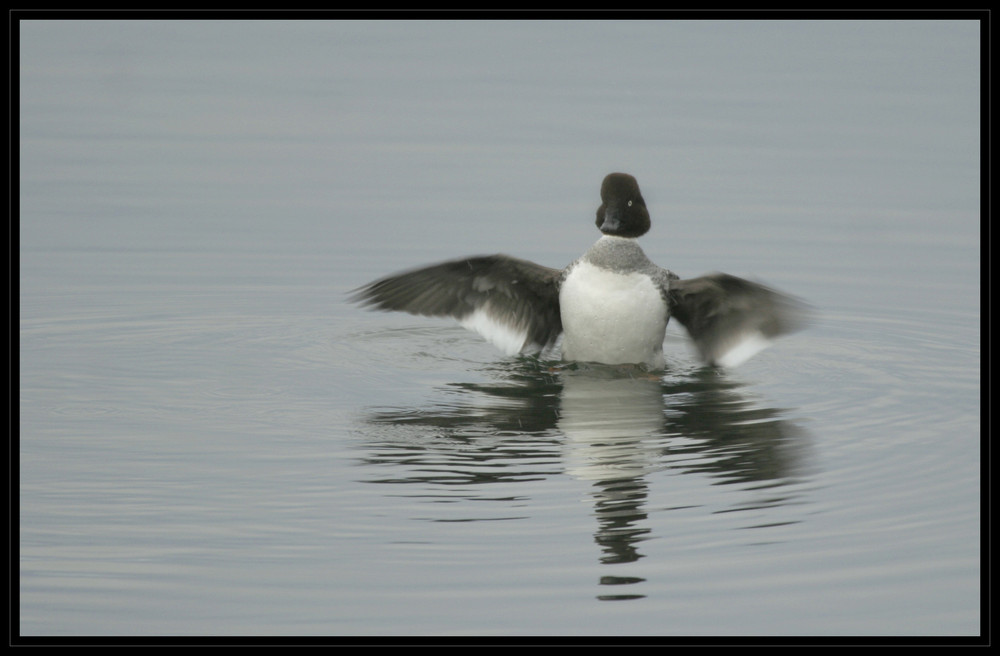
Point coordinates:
[[612, 318]]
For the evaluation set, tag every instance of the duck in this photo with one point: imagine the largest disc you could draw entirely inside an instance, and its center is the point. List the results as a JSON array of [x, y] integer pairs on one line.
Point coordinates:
[[610, 306]]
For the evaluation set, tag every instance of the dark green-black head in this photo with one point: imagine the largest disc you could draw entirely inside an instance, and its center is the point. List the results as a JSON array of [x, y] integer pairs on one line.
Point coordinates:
[[622, 212]]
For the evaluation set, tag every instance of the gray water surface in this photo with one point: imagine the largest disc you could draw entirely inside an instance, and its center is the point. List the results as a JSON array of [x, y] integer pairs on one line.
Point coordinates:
[[214, 442]]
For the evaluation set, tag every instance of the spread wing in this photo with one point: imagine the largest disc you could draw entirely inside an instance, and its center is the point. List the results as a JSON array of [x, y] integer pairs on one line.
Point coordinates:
[[731, 319], [512, 303]]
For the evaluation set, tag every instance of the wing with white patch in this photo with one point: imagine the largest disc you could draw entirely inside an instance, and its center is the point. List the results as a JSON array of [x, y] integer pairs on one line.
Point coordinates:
[[512, 303], [731, 319]]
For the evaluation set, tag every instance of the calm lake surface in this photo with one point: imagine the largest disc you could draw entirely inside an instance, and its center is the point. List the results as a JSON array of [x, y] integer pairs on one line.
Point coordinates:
[[214, 442]]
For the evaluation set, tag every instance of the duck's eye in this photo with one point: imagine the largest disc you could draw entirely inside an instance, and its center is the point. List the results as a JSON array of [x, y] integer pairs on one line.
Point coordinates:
[[630, 203]]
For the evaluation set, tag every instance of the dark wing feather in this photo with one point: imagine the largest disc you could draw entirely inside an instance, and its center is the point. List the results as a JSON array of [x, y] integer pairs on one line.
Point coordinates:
[[520, 296], [730, 318]]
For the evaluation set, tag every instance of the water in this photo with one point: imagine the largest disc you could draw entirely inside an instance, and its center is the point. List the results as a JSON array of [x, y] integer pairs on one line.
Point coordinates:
[[213, 442]]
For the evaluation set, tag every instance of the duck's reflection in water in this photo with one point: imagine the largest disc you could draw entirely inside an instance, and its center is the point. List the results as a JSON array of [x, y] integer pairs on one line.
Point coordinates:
[[614, 429], [609, 426]]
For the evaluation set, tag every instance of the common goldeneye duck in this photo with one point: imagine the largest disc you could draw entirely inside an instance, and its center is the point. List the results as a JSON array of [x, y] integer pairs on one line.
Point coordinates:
[[611, 306]]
